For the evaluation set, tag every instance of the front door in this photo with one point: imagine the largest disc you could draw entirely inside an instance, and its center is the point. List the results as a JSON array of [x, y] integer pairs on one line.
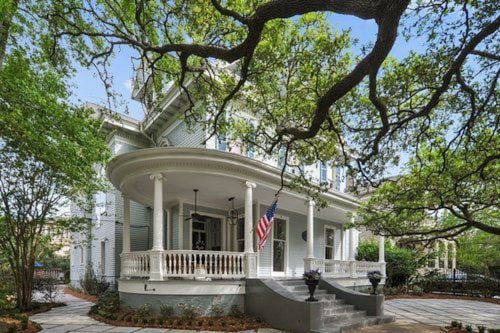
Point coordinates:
[[280, 235], [199, 236]]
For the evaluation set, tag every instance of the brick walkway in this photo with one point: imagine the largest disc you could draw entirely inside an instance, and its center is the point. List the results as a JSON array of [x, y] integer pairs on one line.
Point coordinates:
[[441, 312], [412, 315]]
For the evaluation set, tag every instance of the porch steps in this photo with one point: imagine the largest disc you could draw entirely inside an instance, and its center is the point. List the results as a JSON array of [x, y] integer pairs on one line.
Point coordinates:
[[337, 316]]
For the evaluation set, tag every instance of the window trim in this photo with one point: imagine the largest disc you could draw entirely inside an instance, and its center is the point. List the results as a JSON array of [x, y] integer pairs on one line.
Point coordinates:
[[287, 245], [335, 230]]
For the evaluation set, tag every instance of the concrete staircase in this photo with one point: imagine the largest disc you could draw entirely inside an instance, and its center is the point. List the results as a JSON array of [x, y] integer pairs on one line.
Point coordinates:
[[337, 315]]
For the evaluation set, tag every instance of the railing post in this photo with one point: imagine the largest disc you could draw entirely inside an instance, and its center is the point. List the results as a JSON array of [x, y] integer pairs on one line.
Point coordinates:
[[250, 265], [353, 269], [308, 264], [382, 269]]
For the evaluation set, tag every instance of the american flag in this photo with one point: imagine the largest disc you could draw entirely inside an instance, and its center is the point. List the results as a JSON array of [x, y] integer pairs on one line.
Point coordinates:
[[265, 224]]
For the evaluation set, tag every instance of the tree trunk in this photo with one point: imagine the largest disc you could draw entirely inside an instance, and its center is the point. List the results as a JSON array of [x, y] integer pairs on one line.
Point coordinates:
[[5, 24]]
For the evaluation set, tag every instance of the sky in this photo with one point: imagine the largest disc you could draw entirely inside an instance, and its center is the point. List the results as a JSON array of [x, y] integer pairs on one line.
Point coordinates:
[[88, 87]]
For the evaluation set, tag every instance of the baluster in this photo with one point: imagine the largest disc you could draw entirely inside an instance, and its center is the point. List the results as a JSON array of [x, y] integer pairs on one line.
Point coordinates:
[[209, 266]]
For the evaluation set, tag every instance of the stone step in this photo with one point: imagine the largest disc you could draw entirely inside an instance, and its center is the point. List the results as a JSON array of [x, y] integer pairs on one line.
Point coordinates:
[[292, 282], [331, 310], [354, 324], [342, 317]]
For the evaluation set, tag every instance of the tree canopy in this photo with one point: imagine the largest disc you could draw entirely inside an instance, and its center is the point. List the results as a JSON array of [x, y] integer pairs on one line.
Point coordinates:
[[298, 75], [317, 93], [49, 147]]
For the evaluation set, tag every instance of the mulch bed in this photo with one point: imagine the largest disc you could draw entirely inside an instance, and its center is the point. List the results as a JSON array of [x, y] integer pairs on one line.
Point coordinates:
[[7, 322], [81, 295], [225, 324], [444, 296]]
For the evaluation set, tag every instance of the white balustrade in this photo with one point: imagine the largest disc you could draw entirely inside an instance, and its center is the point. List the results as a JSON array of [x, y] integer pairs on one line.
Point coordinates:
[[187, 264], [135, 264], [342, 268]]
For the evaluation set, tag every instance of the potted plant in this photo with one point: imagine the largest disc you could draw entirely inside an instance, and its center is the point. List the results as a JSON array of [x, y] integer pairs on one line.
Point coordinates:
[[311, 279], [374, 277]]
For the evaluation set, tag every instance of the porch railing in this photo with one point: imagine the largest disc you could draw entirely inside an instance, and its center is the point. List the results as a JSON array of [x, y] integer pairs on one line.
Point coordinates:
[[186, 264], [344, 269]]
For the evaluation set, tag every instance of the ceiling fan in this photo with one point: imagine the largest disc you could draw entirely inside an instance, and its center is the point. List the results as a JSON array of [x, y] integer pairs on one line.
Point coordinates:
[[195, 216]]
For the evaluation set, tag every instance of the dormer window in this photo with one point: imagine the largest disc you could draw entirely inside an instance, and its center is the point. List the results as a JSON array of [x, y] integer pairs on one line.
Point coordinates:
[[221, 142]]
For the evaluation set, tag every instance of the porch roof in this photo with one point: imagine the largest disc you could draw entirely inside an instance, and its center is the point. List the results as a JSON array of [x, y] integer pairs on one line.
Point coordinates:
[[218, 175]]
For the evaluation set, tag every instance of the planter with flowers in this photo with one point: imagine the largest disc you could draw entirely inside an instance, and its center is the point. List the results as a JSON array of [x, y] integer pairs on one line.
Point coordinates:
[[374, 277], [311, 279]]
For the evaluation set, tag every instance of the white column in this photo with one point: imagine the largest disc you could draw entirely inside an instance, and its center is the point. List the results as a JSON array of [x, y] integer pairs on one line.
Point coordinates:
[[169, 229], [250, 255], [156, 253], [381, 254], [249, 217], [310, 229], [352, 257], [126, 224], [445, 265], [381, 249], [453, 255], [436, 260], [223, 232], [180, 229], [158, 212]]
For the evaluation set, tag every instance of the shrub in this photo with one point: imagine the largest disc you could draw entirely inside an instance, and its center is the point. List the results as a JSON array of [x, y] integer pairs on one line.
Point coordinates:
[[402, 263], [216, 310], [166, 310], [417, 290], [94, 284], [468, 328], [145, 310], [210, 322], [481, 329], [47, 287], [235, 311], [189, 312], [457, 324], [108, 305]]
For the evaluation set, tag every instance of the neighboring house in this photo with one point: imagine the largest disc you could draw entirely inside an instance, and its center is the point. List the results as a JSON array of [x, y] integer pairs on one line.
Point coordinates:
[[162, 246]]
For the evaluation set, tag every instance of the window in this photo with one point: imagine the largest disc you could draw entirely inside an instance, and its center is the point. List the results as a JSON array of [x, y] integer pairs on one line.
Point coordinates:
[[221, 142], [279, 244], [322, 173], [250, 147], [338, 177], [103, 257], [281, 157], [329, 242]]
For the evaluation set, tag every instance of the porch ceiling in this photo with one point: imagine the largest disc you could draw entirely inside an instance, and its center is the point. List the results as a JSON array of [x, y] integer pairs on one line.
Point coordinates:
[[217, 175]]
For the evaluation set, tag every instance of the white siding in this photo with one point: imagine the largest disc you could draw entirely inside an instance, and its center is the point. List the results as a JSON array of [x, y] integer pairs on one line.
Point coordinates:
[[182, 136]]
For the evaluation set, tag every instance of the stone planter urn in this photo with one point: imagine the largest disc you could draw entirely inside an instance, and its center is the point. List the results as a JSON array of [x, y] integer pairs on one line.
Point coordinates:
[[311, 278], [311, 285], [374, 283], [374, 277]]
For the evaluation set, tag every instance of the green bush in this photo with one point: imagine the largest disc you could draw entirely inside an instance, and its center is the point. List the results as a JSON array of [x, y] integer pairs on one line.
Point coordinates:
[[401, 264], [235, 311], [189, 312], [108, 305], [94, 284], [145, 310], [166, 310], [216, 310], [48, 287]]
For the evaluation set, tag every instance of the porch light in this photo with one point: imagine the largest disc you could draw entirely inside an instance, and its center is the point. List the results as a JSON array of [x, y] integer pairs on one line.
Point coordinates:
[[232, 213]]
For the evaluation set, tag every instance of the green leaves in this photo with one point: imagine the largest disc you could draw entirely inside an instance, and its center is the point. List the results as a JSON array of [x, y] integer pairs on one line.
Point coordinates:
[[36, 121]]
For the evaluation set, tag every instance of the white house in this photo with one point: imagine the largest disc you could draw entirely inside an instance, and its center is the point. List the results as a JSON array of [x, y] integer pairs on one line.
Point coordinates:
[[177, 226]]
